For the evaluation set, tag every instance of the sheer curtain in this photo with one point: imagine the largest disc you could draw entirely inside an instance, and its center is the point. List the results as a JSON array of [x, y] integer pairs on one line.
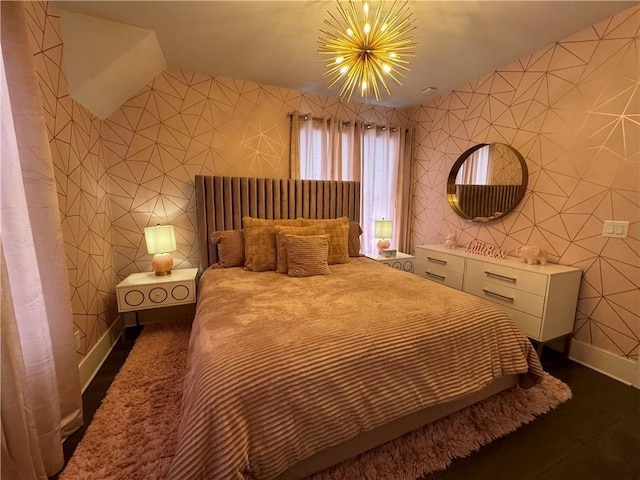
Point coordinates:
[[382, 183], [324, 149], [377, 156], [41, 398]]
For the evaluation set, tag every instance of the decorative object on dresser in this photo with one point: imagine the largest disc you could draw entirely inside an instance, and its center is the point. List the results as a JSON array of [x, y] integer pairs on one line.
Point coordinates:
[[382, 229], [161, 240], [142, 291], [400, 261], [480, 248], [541, 299], [532, 254], [451, 241]]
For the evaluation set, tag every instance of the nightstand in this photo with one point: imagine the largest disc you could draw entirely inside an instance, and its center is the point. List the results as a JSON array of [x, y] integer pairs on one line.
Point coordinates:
[[402, 261], [142, 291]]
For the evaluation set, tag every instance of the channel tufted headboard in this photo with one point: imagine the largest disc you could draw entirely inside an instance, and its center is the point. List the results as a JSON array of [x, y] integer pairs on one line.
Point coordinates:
[[222, 202]]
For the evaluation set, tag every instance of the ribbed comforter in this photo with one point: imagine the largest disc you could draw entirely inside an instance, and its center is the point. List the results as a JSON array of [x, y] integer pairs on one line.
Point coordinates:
[[280, 367]]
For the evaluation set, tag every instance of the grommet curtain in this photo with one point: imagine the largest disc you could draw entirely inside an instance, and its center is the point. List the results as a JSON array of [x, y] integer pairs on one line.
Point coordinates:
[[41, 396]]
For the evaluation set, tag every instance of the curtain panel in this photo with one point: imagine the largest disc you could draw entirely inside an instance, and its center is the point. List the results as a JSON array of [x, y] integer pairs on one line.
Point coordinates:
[[41, 397], [380, 157]]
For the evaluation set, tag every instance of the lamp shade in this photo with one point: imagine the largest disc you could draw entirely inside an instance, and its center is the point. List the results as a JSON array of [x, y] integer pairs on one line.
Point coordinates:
[[382, 228], [160, 239]]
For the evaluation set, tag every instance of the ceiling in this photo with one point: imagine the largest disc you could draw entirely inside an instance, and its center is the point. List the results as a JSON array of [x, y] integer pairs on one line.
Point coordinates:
[[276, 42]]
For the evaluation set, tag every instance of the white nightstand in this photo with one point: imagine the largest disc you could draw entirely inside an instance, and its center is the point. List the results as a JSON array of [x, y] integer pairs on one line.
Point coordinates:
[[142, 291], [402, 261]]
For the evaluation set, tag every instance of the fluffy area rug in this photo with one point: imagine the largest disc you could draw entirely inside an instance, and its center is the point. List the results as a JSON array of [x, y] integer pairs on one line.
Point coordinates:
[[133, 433]]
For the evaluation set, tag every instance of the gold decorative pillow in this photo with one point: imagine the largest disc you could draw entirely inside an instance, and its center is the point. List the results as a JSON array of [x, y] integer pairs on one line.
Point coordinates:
[[281, 250], [260, 242], [307, 255], [354, 239], [230, 245], [338, 230]]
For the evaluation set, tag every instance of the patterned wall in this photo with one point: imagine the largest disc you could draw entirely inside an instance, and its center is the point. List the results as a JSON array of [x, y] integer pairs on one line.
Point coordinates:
[[82, 184], [137, 168], [570, 109], [573, 111], [182, 124]]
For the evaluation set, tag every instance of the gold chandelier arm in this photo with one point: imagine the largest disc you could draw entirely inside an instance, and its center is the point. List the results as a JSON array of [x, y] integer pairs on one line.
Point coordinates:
[[369, 48]]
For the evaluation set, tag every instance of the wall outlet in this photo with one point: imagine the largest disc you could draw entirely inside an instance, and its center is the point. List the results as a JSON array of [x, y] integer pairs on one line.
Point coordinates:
[[615, 229], [78, 335]]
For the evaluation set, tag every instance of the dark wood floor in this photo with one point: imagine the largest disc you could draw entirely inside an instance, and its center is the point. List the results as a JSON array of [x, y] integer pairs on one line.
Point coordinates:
[[594, 436]]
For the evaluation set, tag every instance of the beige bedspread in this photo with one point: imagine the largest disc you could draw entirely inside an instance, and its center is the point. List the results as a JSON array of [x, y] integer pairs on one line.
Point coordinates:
[[283, 367]]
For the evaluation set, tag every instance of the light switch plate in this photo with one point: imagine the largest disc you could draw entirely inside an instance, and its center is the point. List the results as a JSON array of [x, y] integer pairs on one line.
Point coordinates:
[[615, 229]]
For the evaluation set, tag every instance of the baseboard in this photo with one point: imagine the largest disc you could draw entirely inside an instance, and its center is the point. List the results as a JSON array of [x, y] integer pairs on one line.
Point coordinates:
[[610, 364], [92, 362]]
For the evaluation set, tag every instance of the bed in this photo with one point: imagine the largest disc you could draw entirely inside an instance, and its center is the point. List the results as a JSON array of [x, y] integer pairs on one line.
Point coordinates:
[[288, 375]]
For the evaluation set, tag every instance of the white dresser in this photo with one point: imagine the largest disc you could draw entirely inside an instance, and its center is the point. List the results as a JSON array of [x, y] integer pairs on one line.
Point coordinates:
[[541, 299]]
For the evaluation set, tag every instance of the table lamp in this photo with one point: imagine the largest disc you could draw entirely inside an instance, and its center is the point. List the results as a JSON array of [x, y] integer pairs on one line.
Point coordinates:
[[161, 240], [382, 229]]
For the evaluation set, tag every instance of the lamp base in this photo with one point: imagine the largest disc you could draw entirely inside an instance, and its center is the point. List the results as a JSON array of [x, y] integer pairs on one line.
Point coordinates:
[[162, 263], [382, 244]]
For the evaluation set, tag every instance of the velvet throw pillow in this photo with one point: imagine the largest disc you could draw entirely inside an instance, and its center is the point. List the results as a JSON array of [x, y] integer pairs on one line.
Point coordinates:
[[338, 230], [230, 245], [260, 242], [307, 255], [281, 250], [354, 239]]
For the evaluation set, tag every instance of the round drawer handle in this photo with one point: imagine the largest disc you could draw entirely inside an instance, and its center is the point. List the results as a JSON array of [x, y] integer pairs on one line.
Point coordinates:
[[180, 292], [134, 298], [158, 295]]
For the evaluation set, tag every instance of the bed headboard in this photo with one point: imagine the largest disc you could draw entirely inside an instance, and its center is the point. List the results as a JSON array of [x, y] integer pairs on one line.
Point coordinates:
[[221, 202]]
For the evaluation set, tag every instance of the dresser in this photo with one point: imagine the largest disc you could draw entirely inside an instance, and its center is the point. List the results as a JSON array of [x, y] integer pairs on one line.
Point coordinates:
[[541, 300]]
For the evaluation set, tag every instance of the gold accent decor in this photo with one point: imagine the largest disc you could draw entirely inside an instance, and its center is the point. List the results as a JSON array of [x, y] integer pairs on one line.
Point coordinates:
[[506, 177], [367, 49]]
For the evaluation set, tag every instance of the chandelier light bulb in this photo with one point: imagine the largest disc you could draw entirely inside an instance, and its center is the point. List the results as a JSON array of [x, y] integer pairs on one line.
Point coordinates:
[[365, 53]]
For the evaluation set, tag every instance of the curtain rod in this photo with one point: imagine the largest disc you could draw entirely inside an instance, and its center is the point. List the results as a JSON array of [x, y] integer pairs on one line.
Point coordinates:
[[305, 117]]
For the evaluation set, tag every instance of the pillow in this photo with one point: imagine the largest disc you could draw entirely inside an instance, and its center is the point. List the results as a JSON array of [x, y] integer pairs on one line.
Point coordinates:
[[260, 242], [338, 230], [354, 239], [281, 251], [230, 245], [307, 255]]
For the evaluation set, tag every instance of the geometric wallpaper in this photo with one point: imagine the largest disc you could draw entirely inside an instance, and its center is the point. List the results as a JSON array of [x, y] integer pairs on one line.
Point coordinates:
[[137, 168], [573, 111], [81, 181], [182, 124]]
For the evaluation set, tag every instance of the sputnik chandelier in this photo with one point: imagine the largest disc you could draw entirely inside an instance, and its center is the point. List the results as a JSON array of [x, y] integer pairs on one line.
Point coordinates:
[[367, 49]]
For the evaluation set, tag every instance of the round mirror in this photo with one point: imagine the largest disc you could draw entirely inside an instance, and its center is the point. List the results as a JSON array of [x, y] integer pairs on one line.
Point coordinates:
[[487, 181]]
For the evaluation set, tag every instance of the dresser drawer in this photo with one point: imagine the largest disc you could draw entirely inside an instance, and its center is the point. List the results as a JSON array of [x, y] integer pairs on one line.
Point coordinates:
[[439, 274], [454, 263], [505, 295], [531, 326], [532, 282]]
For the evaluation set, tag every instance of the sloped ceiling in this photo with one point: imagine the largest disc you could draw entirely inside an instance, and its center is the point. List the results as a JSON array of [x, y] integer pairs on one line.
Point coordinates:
[[276, 42], [107, 62]]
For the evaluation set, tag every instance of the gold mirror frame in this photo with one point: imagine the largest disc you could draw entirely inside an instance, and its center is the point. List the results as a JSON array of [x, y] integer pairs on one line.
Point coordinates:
[[513, 195]]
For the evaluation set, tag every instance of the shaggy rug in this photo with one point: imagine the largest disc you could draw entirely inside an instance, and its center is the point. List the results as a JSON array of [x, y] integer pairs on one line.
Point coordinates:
[[133, 433]]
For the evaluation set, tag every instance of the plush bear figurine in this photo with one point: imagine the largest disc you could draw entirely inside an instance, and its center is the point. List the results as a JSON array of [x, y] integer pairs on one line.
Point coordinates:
[[450, 241]]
